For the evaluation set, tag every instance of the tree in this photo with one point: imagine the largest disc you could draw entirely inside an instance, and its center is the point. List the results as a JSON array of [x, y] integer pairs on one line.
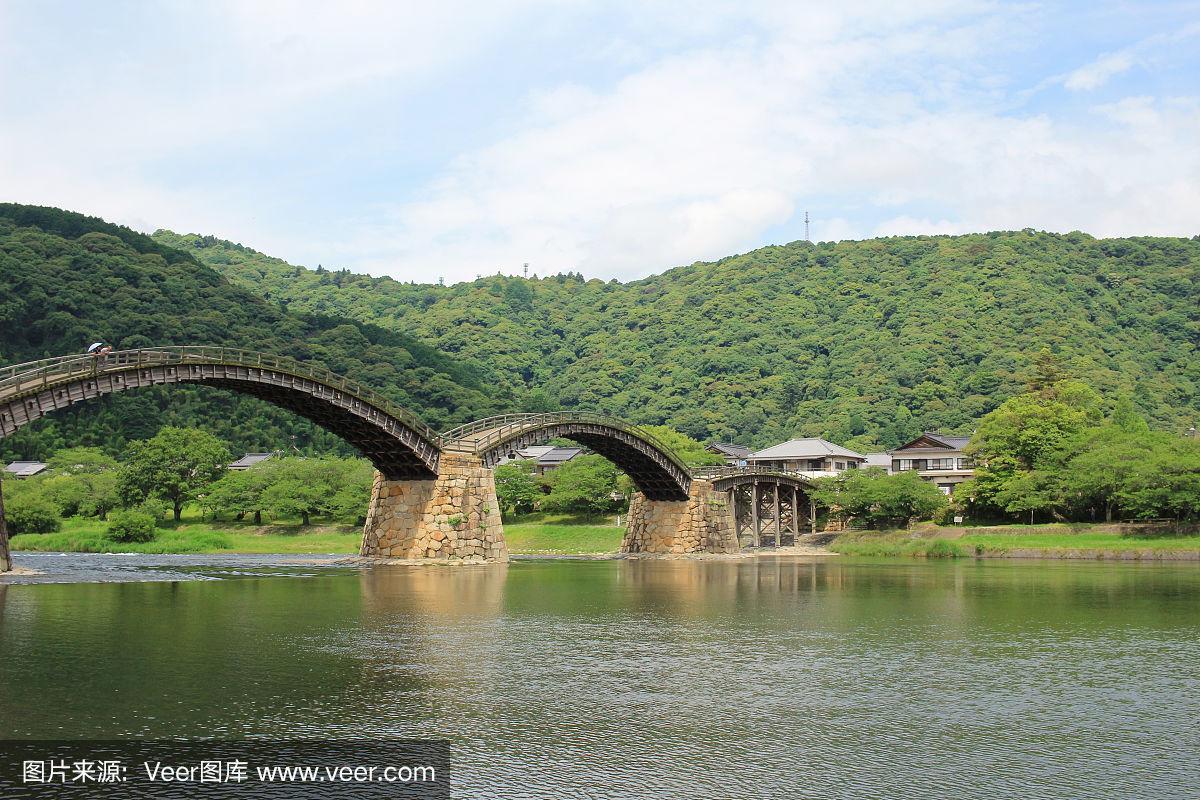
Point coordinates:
[[1166, 482], [66, 492], [1099, 462], [295, 487], [875, 499], [28, 510], [688, 449], [352, 494], [1031, 491], [176, 466], [306, 487], [239, 492], [295, 491], [583, 485], [517, 488], [1025, 433], [83, 482], [1030, 426], [1125, 416], [1047, 370], [81, 461]]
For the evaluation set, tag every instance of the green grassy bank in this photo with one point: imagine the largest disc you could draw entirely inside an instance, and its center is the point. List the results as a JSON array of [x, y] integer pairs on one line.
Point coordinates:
[[544, 534], [547, 534], [88, 536], [1029, 541], [536, 533]]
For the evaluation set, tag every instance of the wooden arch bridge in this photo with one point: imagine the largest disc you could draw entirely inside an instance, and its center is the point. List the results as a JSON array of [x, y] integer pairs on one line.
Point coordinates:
[[434, 494]]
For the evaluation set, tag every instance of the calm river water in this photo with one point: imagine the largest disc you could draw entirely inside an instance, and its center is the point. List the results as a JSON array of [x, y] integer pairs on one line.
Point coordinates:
[[641, 679]]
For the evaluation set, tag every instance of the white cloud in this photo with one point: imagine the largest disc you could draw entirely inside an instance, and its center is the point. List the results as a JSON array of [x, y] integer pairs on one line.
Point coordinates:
[[696, 155], [1097, 73], [905, 225], [729, 121]]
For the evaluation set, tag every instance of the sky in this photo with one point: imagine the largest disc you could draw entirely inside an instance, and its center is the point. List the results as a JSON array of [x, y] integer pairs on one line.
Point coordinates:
[[617, 139]]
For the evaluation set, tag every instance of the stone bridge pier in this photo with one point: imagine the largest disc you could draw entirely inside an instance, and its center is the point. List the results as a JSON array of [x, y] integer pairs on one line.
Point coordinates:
[[701, 524], [454, 518]]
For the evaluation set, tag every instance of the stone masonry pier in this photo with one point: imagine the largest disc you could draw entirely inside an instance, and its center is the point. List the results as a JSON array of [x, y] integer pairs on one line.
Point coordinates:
[[454, 518], [701, 524]]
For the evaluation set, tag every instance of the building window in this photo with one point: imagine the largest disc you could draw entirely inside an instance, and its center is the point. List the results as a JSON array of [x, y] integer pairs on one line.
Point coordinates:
[[901, 464], [966, 463], [852, 465], [840, 465]]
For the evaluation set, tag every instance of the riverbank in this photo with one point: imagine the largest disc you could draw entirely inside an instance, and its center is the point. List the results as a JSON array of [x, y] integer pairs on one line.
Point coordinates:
[[1065, 541], [564, 535], [539, 534]]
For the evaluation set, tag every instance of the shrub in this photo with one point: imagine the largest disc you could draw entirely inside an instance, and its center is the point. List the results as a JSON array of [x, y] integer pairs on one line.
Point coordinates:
[[940, 548], [32, 513], [130, 526], [154, 508]]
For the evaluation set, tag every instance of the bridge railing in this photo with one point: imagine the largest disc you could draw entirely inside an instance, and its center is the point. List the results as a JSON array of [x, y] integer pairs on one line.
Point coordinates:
[[730, 470], [35, 375], [497, 429]]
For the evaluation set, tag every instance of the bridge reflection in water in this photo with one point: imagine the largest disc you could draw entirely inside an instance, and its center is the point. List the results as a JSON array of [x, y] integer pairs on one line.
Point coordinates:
[[434, 495]]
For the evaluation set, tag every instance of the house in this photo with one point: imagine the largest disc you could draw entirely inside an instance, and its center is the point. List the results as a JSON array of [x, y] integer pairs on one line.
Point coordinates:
[[556, 457], [937, 458], [546, 457], [25, 469], [249, 460], [881, 460], [814, 457], [734, 454]]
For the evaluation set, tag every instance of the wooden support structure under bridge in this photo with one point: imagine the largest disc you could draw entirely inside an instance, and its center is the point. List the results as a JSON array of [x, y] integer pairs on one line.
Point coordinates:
[[770, 509]]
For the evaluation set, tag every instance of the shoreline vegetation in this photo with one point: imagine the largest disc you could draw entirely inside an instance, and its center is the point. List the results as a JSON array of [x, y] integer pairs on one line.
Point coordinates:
[[1139, 541], [559, 534], [533, 534]]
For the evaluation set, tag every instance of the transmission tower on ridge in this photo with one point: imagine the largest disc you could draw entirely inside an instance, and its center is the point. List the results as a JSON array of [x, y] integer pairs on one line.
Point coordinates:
[[806, 227]]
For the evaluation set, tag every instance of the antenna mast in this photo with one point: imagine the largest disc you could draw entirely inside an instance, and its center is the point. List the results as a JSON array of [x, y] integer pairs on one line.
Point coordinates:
[[806, 227]]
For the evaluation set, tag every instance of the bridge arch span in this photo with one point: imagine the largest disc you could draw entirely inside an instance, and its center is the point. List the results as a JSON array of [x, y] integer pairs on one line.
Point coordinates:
[[657, 472], [396, 441], [728, 480]]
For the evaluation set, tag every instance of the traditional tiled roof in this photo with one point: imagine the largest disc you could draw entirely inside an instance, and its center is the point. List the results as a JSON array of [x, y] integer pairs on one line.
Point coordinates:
[[546, 455], [535, 452], [949, 442], [25, 469], [803, 448], [249, 460], [558, 455], [729, 449]]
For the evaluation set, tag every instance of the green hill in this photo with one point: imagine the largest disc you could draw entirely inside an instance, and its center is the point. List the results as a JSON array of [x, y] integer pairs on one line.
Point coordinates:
[[67, 280], [863, 342]]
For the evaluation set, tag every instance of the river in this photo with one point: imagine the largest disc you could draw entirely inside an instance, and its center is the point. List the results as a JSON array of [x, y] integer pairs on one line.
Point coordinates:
[[639, 679]]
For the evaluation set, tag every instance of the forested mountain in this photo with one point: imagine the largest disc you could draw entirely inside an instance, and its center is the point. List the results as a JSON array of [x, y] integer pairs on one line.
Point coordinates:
[[67, 280], [865, 343]]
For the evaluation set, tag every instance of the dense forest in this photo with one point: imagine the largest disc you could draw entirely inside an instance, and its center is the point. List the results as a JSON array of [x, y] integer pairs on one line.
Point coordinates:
[[865, 343], [67, 280]]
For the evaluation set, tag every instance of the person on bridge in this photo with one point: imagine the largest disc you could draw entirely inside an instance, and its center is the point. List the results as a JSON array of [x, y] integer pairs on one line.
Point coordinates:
[[99, 352]]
